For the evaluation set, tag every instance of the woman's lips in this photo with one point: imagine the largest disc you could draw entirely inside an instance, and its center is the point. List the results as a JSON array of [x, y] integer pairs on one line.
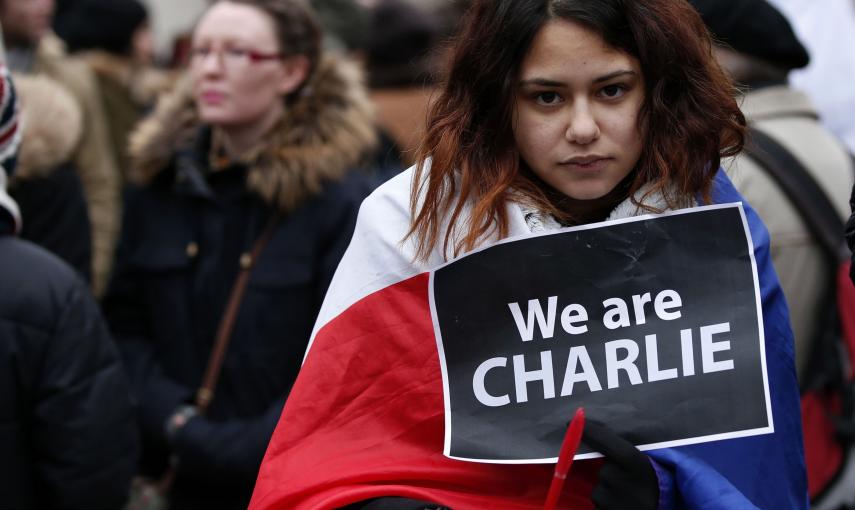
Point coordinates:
[[586, 163], [212, 97]]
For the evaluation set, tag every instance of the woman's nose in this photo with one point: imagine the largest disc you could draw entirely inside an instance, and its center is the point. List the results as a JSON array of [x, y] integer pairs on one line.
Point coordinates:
[[582, 125], [207, 63], [211, 63]]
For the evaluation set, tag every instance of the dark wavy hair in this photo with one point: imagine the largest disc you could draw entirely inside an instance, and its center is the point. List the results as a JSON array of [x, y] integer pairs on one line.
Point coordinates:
[[689, 118]]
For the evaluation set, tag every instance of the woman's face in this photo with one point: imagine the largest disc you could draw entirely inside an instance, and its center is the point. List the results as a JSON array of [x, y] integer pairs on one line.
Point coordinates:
[[577, 107], [238, 77]]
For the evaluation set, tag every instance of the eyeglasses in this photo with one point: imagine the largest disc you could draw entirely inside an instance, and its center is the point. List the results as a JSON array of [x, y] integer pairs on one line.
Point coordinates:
[[231, 58]]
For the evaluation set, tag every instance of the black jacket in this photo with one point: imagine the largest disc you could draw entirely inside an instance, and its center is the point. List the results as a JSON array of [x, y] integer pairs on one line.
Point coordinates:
[[55, 216], [183, 235], [66, 429]]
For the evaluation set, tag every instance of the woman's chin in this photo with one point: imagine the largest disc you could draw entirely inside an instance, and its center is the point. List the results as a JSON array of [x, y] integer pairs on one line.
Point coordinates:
[[585, 194], [216, 115]]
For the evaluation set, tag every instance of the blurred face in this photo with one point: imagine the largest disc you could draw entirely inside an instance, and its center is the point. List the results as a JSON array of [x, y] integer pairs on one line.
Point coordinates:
[[142, 45], [26, 21], [577, 107], [239, 77]]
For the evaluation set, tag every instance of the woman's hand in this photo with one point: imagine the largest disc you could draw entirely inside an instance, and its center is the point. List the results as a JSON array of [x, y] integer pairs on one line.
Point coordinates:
[[627, 479]]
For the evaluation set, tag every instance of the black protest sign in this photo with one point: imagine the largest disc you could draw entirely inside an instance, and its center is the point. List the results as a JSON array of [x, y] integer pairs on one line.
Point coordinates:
[[653, 324]]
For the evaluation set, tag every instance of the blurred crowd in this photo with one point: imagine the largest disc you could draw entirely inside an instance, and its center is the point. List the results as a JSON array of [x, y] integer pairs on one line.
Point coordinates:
[[176, 206]]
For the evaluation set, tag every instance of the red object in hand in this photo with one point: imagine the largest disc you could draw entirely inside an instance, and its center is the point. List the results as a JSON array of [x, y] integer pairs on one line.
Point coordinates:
[[565, 458]]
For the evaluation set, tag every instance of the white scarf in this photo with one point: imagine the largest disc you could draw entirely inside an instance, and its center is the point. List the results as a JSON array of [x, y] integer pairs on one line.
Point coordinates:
[[539, 221]]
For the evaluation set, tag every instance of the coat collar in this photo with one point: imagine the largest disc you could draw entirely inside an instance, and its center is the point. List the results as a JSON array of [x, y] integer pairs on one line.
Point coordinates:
[[326, 132], [192, 168]]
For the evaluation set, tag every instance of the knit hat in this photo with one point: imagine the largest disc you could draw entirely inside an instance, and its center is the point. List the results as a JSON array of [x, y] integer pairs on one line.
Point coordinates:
[[101, 24], [756, 28], [10, 138]]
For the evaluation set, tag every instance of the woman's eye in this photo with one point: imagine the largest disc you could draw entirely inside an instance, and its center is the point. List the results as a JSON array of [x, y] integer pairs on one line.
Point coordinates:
[[548, 98], [200, 52], [613, 91], [235, 52]]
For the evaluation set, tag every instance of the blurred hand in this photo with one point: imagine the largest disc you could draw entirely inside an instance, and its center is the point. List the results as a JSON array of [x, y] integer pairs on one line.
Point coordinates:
[[627, 479]]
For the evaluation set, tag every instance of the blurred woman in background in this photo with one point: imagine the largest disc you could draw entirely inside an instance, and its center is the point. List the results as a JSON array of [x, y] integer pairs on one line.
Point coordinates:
[[262, 141]]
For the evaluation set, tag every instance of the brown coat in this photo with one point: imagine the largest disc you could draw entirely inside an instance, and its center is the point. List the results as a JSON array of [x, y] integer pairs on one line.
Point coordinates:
[[93, 156]]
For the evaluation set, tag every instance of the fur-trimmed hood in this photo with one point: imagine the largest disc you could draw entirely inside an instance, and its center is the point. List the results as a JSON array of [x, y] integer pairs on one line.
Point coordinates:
[[328, 130], [52, 125]]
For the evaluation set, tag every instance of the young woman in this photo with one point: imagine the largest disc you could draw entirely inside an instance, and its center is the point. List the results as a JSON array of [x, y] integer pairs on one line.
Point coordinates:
[[554, 113], [264, 141]]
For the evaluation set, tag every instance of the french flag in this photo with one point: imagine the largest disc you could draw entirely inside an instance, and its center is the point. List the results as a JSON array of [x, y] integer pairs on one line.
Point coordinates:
[[365, 417]]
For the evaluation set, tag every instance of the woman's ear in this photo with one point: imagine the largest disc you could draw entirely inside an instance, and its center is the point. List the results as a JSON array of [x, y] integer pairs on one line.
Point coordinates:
[[296, 70]]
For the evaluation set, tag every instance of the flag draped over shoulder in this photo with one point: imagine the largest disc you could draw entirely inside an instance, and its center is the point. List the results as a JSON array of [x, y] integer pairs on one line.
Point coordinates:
[[365, 416], [371, 423]]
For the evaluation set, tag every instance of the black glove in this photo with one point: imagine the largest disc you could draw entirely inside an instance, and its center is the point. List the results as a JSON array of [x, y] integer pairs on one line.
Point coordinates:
[[627, 479], [393, 503]]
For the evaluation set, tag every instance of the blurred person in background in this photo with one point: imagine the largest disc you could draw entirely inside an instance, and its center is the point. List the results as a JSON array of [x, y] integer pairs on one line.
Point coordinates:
[[758, 49], [265, 138], [115, 39], [827, 29], [34, 49], [68, 439]]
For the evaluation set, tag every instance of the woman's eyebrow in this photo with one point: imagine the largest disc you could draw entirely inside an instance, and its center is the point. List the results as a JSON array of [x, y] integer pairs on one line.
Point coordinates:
[[545, 82], [616, 74], [542, 82], [225, 41]]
